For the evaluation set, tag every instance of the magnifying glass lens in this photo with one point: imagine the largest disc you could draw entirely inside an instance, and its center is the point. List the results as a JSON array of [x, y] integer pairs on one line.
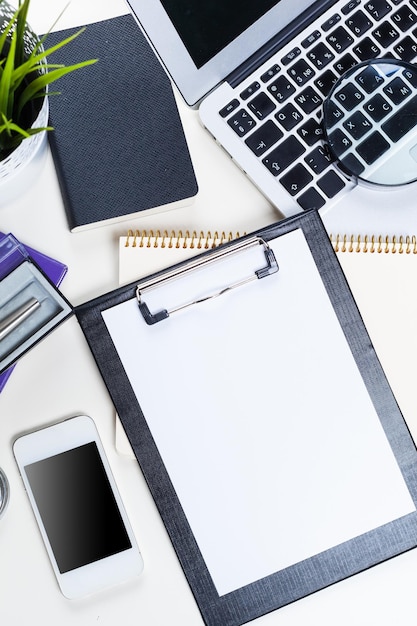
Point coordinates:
[[370, 122]]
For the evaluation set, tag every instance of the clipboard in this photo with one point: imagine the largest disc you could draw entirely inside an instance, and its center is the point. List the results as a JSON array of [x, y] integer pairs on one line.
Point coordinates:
[[261, 419]]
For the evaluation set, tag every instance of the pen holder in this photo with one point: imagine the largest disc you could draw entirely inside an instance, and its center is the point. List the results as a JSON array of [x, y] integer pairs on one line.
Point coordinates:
[[30, 305]]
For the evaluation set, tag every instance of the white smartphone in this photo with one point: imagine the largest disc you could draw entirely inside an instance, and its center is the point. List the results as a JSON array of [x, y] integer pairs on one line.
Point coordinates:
[[77, 506]]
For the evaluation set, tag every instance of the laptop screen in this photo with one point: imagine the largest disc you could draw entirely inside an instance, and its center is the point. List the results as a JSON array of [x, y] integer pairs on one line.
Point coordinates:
[[206, 28], [201, 42]]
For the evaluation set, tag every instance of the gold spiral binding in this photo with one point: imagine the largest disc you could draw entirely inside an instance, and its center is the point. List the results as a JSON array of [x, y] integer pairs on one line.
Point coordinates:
[[178, 239], [375, 244]]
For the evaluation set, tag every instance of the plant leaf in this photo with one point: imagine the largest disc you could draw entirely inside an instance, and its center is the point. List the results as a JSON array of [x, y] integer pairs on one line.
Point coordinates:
[[40, 83], [33, 62], [21, 24], [6, 93], [8, 126], [36, 57]]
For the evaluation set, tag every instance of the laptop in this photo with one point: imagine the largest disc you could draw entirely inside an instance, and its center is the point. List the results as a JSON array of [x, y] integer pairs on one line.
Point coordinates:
[[259, 72]]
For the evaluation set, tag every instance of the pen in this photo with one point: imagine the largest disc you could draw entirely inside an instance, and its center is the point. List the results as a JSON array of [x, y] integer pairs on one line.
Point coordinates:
[[14, 319]]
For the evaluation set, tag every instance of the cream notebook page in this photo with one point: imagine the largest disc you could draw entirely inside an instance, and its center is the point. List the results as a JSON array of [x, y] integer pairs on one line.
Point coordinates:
[[382, 274]]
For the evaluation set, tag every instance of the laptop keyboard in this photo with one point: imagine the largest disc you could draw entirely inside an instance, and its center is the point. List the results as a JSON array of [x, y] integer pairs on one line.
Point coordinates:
[[364, 122], [278, 115]]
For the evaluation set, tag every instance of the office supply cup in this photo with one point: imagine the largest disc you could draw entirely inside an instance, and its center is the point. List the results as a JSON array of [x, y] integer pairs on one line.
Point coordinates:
[[4, 492], [370, 123]]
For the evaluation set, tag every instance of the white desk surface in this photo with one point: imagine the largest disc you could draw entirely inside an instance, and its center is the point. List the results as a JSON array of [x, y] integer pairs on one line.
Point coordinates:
[[58, 379]]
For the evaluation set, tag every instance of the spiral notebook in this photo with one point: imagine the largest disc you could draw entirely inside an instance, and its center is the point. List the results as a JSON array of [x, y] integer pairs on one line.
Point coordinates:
[[381, 272]]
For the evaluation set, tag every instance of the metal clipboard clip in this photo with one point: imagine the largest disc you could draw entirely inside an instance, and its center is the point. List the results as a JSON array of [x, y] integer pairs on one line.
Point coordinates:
[[204, 261]]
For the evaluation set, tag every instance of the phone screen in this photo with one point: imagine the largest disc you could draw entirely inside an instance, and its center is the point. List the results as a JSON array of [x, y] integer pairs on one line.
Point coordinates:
[[77, 507]]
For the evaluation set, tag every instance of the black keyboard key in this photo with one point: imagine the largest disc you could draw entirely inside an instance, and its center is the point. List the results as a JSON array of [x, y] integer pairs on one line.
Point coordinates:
[[339, 39], [402, 121], [229, 108], [311, 132], [357, 125], [411, 76], [273, 71], [404, 18], [373, 147], [347, 8], [331, 22], [308, 100], [281, 89], [264, 138], [261, 106], [283, 155], [318, 160], [320, 55], [351, 165], [406, 49], [369, 79], [339, 142], [378, 9], [331, 184], [296, 179], [358, 23], [289, 116], [308, 41], [366, 49], [301, 72], [345, 63], [311, 199], [326, 82], [349, 96], [241, 123], [397, 91], [249, 91], [386, 34], [291, 56], [333, 114], [378, 108]]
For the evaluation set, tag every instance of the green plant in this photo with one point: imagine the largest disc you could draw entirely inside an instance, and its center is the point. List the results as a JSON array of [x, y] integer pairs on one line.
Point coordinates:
[[24, 77]]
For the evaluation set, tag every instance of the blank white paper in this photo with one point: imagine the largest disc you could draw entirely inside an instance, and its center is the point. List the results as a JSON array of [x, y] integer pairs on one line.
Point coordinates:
[[262, 419]]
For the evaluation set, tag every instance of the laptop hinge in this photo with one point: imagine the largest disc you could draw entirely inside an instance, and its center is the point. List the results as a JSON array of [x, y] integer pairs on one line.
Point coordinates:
[[278, 42]]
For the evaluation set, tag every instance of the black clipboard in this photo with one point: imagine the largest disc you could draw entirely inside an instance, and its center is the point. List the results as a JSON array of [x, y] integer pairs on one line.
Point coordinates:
[[319, 570]]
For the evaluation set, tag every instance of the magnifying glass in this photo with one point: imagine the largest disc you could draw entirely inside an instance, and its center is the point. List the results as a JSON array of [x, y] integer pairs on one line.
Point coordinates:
[[370, 123]]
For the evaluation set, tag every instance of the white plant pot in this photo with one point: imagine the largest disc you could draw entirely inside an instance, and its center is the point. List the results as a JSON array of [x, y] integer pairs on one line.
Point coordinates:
[[19, 170]]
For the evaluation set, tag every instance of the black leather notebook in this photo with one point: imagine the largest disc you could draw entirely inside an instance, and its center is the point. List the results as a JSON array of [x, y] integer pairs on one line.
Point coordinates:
[[277, 455], [118, 144]]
